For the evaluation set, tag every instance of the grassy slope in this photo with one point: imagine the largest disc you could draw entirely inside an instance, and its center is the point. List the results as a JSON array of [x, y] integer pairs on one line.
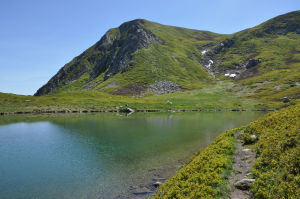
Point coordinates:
[[208, 98], [177, 60], [276, 167], [279, 48], [278, 74]]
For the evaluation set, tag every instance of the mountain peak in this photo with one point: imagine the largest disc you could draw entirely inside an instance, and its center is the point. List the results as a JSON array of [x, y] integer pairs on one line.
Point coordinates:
[[110, 55], [138, 54]]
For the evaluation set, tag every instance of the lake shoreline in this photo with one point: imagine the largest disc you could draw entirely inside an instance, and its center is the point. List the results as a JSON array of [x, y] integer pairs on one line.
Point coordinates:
[[122, 111], [269, 137]]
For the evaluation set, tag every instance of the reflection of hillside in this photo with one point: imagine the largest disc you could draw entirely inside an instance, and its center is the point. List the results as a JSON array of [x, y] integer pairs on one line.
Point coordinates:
[[142, 136], [112, 151]]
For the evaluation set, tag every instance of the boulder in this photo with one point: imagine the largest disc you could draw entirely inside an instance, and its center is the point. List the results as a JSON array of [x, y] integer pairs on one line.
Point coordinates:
[[252, 62], [127, 110], [244, 184], [286, 100], [225, 44], [157, 184]]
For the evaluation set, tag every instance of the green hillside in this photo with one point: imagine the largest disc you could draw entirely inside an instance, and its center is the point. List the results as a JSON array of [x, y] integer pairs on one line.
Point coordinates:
[[142, 58], [146, 64], [129, 58]]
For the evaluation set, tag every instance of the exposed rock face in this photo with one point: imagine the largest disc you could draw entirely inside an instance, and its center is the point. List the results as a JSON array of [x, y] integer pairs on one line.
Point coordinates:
[[252, 62], [111, 55], [163, 87], [117, 53], [224, 44]]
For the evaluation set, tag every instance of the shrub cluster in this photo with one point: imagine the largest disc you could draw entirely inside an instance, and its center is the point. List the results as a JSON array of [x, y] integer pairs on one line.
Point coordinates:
[[205, 176], [277, 165]]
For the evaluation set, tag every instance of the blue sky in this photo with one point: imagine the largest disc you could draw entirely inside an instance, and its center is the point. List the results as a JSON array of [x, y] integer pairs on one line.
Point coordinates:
[[38, 37]]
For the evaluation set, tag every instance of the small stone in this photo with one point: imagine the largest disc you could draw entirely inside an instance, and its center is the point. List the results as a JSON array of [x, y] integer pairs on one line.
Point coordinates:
[[286, 100], [157, 184], [169, 102], [246, 150], [253, 137], [244, 184]]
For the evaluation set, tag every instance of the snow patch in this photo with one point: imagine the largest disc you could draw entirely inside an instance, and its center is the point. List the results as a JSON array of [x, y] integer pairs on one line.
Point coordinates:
[[203, 52], [210, 62], [230, 75]]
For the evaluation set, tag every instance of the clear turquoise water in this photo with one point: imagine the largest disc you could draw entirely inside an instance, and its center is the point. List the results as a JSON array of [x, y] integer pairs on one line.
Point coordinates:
[[101, 155]]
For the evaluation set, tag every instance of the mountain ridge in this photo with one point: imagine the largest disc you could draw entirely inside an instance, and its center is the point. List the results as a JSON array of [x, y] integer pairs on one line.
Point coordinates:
[[158, 53]]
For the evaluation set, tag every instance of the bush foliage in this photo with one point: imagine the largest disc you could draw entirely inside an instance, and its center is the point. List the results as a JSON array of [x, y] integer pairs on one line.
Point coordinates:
[[205, 176], [277, 166]]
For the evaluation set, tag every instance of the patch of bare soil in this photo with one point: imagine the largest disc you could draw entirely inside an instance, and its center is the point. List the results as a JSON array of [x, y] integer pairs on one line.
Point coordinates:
[[132, 89], [243, 162], [248, 73]]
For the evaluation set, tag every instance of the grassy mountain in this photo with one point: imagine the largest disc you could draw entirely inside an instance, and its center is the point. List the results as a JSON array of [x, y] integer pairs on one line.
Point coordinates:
[[142, 57], [129, 58]]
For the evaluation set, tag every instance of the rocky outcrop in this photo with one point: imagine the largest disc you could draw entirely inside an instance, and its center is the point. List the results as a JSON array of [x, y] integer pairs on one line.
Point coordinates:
[[224, 44], [252, 62], [132, 36], [111, 55], [286, 100]]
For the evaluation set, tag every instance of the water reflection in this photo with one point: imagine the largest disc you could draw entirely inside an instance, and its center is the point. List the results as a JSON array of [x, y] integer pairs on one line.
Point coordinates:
[[101, 155]]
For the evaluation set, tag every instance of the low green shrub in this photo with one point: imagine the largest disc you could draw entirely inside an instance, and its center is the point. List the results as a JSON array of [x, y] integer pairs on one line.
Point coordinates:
[[206, 175], [277, 166]]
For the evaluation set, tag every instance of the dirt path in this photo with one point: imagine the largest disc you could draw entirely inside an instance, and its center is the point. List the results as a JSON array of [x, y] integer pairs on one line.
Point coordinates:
[[243, 161]]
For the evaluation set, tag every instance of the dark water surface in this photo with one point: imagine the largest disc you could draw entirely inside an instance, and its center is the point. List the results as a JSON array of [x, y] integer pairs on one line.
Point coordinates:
[[101, 155]]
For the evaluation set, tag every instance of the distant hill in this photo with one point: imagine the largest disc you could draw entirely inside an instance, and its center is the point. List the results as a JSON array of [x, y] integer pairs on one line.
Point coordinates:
[[142, 57]]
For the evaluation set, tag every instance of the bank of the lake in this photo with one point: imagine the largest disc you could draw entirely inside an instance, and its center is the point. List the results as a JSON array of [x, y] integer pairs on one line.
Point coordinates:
[[276, 167]]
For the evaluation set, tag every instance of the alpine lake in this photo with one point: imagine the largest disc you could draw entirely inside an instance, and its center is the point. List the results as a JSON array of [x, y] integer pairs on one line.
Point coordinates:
[[103, 155]]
